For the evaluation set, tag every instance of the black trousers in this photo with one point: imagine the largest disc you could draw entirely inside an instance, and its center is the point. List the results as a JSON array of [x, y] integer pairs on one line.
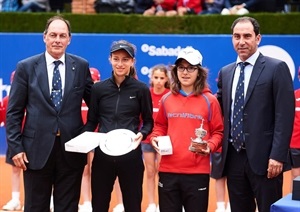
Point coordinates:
[[57, 175], [245, 188], [130, 171], [190, 191]]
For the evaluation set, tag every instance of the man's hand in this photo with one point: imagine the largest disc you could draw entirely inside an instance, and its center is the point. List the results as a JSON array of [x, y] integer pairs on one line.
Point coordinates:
[[20, 160], [274, 168]]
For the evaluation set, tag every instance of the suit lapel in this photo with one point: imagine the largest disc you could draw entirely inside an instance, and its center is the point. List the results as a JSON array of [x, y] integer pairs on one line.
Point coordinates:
[[40, 69], [256, 71], [227, 83]]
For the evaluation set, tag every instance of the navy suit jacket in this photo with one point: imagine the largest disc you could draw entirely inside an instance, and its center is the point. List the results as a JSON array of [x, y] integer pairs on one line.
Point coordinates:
[[268, 112], [30, 92]]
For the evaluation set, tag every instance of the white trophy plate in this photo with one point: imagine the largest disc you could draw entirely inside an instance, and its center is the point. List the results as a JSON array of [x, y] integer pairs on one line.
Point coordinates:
[[118, 142]]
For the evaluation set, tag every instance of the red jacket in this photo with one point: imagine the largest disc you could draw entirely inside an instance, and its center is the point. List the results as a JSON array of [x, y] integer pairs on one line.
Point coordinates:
[[195, 5], [295, 141], [3, 107], [168, 5], [178, 117], [84, 111], [156, 98]]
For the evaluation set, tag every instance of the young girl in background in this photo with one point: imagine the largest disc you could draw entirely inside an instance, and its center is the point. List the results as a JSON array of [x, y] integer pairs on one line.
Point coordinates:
[[160, 84]]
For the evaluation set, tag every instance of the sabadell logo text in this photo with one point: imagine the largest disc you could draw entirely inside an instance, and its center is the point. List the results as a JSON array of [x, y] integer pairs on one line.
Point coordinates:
[[160, 51]]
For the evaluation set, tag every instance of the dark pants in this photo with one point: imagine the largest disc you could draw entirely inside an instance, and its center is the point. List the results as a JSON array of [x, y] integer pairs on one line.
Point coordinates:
[[130, 172], [246, 188], [190, 191], [56, 174]]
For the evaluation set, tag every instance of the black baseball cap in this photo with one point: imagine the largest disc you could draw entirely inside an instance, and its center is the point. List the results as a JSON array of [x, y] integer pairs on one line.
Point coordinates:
[[123, 46]]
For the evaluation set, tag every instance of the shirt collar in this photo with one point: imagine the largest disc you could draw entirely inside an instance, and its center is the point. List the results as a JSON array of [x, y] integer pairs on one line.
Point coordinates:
[[50, 59], [251, 60]]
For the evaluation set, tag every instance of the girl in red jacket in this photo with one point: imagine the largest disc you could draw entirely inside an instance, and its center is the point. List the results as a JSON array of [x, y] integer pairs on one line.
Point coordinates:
[[189, 108]]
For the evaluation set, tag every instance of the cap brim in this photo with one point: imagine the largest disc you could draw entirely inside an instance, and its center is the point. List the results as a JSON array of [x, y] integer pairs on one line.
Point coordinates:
[[190, 61], [125, 47]]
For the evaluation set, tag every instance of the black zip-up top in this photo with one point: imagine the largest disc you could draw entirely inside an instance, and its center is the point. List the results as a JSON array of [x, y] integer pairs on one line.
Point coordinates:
[[126, 107]]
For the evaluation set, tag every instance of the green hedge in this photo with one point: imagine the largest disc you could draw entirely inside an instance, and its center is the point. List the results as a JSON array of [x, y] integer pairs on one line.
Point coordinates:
[[271, 23]]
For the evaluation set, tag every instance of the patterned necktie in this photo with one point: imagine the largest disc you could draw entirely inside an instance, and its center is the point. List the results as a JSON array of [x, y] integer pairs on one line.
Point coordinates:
[[56, 93], [237, 123]]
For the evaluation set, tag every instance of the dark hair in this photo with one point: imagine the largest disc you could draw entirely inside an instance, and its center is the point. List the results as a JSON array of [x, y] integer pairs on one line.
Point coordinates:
[[57, 17], [164, 69], [199, 85], [253, 21], [132, 71]]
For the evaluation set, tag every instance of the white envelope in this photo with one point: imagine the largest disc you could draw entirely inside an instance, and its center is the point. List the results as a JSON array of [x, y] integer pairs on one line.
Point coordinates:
[[85, 142], [165, 145]]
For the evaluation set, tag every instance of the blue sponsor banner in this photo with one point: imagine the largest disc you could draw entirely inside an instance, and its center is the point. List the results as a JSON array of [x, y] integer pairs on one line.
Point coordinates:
[[217, 51]]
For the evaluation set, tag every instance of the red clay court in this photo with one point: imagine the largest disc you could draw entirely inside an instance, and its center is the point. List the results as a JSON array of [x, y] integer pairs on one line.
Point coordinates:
[[5, 188]]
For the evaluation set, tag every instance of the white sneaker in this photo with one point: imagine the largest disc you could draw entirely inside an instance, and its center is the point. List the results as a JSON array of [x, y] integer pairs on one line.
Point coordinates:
[[119, 208], [151, 208], [228, 207], [220, 210], [12, 205], [51, 204], [85, 207], [157, 208]]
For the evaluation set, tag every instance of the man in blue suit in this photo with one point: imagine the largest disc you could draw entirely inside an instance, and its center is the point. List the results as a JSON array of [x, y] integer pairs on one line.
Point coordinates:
[[254, 168], [38, 146]]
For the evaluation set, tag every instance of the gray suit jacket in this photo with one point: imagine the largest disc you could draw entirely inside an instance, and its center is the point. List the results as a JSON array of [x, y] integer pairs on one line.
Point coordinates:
[[268, 112], [30, 92]]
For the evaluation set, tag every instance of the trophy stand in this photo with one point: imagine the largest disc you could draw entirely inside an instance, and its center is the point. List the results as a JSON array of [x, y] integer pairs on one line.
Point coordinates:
[[198, 143]]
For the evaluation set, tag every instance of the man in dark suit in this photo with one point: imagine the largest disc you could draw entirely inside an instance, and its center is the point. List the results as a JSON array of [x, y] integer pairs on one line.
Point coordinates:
[[254, 162], [39, 148]]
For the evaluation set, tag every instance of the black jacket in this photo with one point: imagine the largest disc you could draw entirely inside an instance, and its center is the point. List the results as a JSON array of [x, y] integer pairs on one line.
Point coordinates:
[[126, 107]]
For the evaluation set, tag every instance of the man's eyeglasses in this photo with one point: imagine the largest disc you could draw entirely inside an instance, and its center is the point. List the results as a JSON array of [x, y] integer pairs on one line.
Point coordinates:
[[189, 69]]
